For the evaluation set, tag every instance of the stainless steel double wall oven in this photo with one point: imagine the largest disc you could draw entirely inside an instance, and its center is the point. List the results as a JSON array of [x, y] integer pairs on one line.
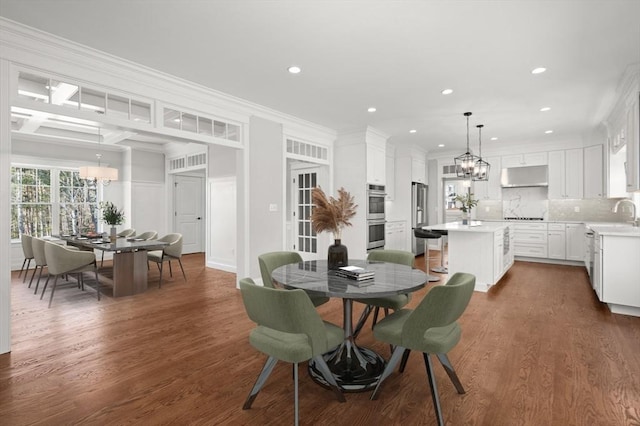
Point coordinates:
[[375, 216]]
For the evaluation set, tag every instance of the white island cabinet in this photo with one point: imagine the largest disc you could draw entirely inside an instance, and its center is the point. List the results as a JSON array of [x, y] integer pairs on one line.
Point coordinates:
[[618, 268], [484, 249]]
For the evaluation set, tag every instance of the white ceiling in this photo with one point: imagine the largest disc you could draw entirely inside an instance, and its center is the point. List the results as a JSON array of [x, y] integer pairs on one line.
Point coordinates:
[[395, 55]]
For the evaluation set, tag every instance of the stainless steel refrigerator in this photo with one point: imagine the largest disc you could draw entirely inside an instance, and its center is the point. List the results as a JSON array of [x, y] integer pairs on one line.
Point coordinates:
[[418, 214]]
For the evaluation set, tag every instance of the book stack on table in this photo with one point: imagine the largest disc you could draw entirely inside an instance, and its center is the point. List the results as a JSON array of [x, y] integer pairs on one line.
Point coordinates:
[[355, 273]]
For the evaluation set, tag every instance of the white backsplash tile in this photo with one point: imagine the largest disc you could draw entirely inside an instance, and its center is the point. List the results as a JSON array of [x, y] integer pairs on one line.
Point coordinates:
[[525, 202]]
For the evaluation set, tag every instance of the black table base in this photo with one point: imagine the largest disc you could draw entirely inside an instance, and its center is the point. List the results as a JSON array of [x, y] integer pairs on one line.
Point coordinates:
[[355, 369]]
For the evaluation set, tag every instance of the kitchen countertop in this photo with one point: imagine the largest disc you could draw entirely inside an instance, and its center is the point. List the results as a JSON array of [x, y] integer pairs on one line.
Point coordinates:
[[476, 226], [622, 230]]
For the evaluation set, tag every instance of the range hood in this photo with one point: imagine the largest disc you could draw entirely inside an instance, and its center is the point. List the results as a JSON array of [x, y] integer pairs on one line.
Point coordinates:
[[514, 177]]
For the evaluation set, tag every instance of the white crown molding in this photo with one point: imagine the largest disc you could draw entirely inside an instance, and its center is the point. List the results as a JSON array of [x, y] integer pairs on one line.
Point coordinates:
[[28, 46]]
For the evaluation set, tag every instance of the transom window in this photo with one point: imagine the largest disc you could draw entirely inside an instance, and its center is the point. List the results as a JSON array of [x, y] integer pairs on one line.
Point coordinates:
[[47, 201]]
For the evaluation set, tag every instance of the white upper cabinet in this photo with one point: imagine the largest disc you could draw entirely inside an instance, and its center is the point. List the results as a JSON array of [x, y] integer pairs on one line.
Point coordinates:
[[633, 146], [490, 189], [521, 160], [376, 164], [418, 169], [593, 172], [566, 174], [391, 174]]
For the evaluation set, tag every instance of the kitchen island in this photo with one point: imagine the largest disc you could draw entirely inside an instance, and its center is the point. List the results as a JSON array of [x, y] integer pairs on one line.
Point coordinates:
[[484, 249]]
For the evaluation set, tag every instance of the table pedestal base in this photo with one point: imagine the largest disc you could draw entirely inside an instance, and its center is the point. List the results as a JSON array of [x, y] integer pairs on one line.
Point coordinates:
[[355, 369]]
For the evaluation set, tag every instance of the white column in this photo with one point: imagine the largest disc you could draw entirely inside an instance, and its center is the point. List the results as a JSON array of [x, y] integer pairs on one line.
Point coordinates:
[[5, 207]]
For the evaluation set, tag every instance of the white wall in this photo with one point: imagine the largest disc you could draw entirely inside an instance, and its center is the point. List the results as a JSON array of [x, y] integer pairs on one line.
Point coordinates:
[[266, 178]]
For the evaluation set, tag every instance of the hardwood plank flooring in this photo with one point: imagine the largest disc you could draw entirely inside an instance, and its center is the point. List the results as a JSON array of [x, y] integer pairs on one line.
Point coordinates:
[[537, 349]]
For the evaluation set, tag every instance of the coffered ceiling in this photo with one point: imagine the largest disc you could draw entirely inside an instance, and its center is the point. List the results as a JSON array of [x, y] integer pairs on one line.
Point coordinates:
[[396, 56]]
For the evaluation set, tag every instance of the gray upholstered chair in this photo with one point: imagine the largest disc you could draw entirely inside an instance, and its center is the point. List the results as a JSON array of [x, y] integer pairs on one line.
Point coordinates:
[[148, 235], [431, 328], [289, 329], [27, 251], [37, 244], [400, 257], [171, 252], [64, 261], [270, 261], [124, 233]]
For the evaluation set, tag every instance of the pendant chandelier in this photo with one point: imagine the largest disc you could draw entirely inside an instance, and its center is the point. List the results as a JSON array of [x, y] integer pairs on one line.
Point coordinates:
[[99, 173], [481, 169], [466, 162]]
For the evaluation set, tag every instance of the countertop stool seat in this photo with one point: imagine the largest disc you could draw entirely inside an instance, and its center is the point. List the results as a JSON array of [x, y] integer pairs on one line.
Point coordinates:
[[426, 236], [441, 269]]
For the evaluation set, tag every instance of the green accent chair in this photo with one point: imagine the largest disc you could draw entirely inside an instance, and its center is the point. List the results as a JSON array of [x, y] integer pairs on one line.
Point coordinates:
[[63, 261], [270, 261], [431, 328], [27, 251], [400, 257], [290, 330], [171, 252]]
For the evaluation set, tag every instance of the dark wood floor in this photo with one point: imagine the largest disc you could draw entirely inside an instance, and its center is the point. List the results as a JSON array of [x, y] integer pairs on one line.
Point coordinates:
[[537, 349]]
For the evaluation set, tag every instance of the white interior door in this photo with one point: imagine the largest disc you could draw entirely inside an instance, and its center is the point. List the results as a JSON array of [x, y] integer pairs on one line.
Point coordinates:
[[304, 179], [188, 195]]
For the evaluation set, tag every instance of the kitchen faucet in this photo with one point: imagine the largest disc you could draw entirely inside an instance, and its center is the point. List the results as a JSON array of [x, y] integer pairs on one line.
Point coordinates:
[[633, 212]]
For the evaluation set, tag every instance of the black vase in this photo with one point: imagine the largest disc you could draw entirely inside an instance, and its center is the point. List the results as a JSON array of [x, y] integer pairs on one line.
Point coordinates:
[[337, 255]]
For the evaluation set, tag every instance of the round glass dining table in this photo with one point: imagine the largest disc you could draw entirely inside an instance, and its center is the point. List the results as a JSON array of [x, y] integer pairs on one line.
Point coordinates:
[[356, 369]]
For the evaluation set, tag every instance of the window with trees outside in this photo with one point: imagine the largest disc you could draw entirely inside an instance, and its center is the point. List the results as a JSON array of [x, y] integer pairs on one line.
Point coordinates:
[[49, 201]]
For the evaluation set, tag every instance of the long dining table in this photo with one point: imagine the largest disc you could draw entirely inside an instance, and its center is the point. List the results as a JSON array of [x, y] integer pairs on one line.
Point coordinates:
[[129, 260], [355, 368]]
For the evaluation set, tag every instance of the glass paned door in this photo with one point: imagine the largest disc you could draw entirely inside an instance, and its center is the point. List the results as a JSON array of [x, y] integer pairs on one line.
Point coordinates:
[[306, 240]]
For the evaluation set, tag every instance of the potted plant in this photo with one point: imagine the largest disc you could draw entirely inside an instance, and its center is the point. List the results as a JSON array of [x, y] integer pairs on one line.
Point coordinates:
[[467, 203], [331, 214], [112, 216]]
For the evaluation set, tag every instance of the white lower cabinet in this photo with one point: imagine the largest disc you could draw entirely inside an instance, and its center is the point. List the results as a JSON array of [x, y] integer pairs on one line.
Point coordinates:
[[619, 272], [575, 242], [557, 241], [395, 235], [530, 239]]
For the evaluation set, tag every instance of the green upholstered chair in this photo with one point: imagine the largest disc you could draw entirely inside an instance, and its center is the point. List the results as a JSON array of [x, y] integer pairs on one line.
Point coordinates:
[[63, 261], [171, 252], [289, 329], [431, 329], [27, 251], [275, 259], [400, 257]]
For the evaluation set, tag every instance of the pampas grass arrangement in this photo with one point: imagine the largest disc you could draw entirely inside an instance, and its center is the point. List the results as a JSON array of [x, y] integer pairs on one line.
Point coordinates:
[[330, 214]]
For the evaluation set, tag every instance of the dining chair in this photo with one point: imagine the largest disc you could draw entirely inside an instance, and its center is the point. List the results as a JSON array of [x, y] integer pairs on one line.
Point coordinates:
[[63, 261], [148, 235], [27, 251], [37, 244], [430, 328], [171, 252], [270, 261], [396, 302], [124, 233], [288, 329]]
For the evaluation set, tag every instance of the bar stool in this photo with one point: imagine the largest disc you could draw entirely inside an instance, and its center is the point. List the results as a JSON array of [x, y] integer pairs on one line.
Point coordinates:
[[427, 235], [441, 269]]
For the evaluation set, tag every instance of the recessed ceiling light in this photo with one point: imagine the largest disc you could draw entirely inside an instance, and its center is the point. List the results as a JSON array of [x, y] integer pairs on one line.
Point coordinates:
[[539, 70], [447, 91], [544, 109], [412, 131], [294, 69], [548, 131], [177, 120], [440, 145], [494, 138], [371, 109]]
